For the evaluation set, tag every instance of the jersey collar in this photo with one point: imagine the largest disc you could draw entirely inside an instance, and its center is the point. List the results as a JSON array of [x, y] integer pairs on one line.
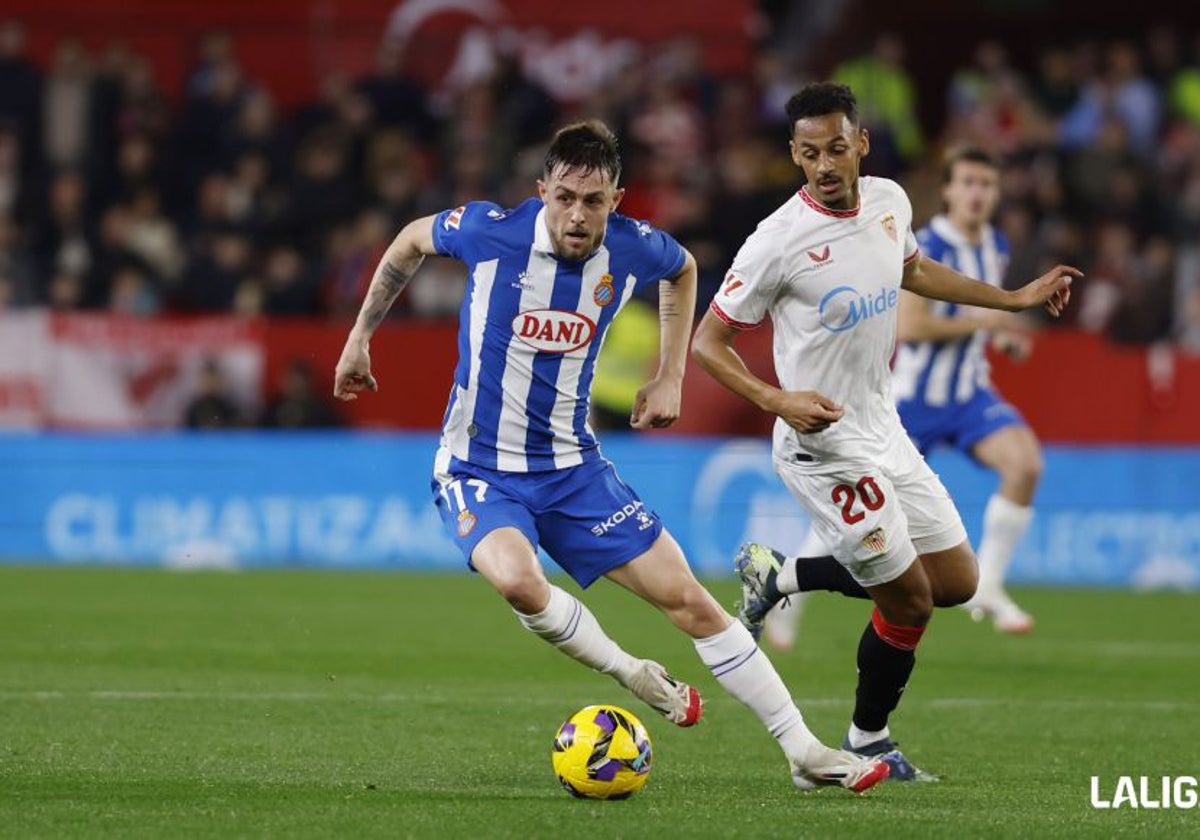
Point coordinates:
[[541, 234], [829, 211]]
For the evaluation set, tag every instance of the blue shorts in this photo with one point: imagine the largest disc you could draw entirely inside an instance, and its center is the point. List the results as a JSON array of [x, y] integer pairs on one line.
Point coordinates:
[[960, 425], [586, 518]]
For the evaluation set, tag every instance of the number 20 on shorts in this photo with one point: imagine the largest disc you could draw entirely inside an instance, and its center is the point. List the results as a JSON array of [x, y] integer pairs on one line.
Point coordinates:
[[866, 491]]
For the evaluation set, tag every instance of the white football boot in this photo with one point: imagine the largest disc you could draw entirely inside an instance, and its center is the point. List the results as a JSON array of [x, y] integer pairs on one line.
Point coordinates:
[[678, 702], [826, 767]]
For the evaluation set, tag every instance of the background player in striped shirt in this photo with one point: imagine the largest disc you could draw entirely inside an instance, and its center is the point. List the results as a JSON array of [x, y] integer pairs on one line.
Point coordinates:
[[519, 467], [941, 378]]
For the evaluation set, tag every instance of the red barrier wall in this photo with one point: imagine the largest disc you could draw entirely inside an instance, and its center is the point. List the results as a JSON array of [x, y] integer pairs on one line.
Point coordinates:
[[288, 45], [412, 361], [1076, 388]]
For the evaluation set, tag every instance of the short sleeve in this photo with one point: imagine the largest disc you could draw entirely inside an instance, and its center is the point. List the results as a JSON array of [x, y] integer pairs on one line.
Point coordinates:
[[454, 230], [751, 284], [912, 249], [663, 256]]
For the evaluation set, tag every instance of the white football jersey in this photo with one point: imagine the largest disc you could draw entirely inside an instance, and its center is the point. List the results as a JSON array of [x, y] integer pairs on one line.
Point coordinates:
[[830, 280]]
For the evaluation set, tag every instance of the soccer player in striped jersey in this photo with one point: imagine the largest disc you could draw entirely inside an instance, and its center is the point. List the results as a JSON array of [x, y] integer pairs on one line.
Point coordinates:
[[828, 267], [518, 465], [941, 383]]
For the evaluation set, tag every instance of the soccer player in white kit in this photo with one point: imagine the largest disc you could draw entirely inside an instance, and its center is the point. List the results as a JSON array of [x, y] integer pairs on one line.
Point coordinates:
[[828, 267], [944, 393]]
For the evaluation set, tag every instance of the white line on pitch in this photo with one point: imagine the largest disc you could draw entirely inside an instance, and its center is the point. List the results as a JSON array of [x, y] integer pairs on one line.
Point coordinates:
[[117, 695]]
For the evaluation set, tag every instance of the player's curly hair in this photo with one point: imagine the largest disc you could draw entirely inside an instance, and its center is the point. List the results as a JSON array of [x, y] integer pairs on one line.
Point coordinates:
[[584, 146], [817, 99]]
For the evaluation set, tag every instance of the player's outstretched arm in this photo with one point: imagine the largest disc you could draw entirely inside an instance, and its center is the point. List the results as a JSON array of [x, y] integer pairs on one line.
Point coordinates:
[[917, 322], [657, 403], [398, 265], [931, 279], [805, 411]]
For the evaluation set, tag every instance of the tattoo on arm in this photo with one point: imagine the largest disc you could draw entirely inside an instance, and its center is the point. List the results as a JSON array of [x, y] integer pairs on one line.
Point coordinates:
[[668, 308], [387, 285], [393, 277]]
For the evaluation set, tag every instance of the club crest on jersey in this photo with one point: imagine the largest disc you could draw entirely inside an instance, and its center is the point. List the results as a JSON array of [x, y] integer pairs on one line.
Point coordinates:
[[553, 330], [889, 226], [454, 218], [466, 523], [604, 292]]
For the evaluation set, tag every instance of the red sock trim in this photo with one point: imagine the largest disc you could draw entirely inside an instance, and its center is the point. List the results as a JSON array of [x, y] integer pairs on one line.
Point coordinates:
[[902, 638]]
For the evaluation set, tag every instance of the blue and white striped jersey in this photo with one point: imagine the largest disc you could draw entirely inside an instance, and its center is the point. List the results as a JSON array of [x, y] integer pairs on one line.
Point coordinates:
[[530, 328], [938, 373]]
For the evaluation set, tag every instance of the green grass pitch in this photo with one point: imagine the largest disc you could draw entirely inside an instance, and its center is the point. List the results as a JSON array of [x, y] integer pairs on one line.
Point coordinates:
[[154, 704]]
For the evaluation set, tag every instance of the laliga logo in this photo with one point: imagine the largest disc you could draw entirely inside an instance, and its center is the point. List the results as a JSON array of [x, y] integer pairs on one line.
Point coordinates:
[[1138, 792], [843, 308], [553, 330]]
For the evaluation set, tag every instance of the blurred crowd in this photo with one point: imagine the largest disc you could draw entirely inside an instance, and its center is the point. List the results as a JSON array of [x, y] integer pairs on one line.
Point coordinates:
[[115, 196], [297, 402], [1101, 144]]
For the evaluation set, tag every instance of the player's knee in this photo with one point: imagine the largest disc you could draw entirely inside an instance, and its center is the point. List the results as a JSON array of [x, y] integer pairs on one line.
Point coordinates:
[[955, 595], [1028, 468], [1033, 468], [914, 610], [921, 610], [959, 589], [524, 589], [1024, 470]]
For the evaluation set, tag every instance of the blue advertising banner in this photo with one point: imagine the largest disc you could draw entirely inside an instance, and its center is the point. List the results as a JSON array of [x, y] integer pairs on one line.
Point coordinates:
[[1105, 516]]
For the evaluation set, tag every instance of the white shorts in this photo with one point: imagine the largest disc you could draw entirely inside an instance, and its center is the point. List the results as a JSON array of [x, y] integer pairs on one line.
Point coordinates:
[[876, 518]]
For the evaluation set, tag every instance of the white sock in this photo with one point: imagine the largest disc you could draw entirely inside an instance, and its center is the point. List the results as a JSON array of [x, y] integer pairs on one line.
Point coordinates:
[[785, 578], [861, 737], [745, 672], [570, 626], [786, 581], [1004, 525]]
